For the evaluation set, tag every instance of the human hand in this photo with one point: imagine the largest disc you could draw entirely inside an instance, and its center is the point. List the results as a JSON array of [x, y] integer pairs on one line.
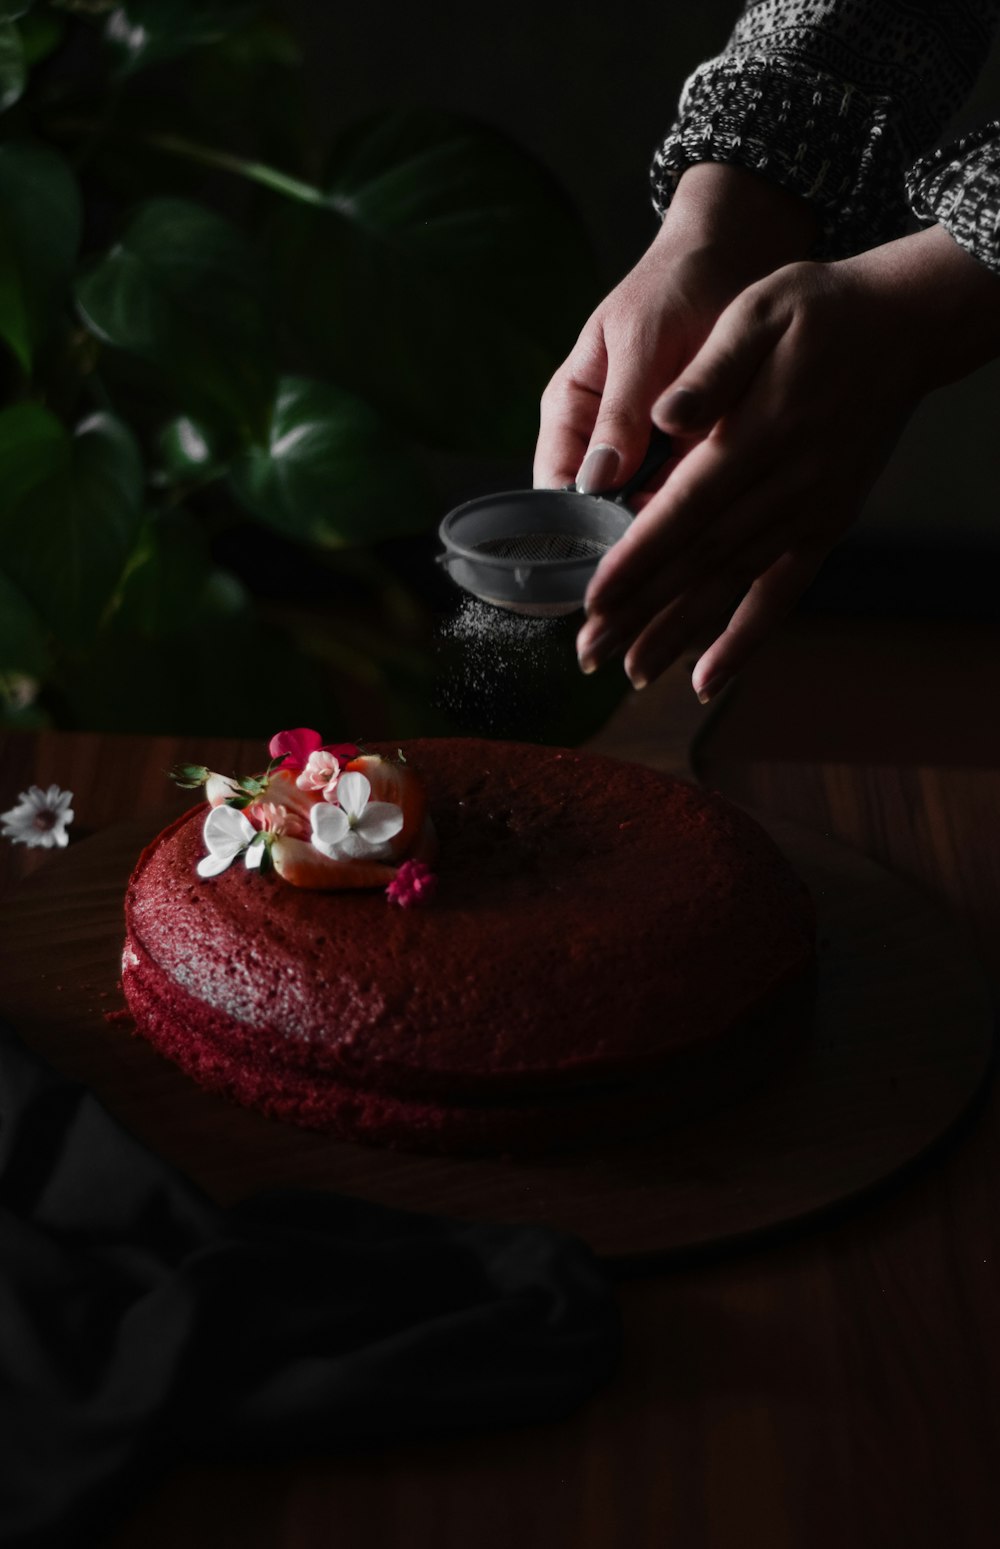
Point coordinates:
[[724, 229], [794, 403]]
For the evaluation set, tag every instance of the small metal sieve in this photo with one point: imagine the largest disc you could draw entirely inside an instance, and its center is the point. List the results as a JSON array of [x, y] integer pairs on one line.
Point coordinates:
[[534, 551]]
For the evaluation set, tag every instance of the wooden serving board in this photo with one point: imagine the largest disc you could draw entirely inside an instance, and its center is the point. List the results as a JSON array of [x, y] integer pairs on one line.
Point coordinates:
[[901, 1047]]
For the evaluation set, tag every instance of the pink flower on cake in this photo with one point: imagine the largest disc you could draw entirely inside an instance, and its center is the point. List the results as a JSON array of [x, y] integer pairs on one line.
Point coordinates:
[[40, 818], [272, 818], [294, 747], [321, 773], [358, 828], [229, 833], [413, 884]]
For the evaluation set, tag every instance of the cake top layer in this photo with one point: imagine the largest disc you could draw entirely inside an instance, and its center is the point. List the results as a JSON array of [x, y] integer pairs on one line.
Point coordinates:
[[592, 917]]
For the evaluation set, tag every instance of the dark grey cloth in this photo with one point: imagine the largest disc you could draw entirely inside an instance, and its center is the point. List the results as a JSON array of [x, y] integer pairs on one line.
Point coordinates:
[[140, 1322], [840, 102]]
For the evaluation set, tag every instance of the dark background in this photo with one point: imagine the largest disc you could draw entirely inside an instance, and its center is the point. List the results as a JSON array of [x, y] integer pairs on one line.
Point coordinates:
[[591, 88]]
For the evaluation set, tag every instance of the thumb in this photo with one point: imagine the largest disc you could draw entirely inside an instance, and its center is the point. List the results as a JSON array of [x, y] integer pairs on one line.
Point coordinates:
[[620, 437], [719, 375]]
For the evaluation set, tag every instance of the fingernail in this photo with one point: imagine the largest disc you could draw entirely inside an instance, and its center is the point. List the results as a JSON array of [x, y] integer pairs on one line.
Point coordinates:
[[712, 687], [676, 410], [597, 470], [637, 679], [594, 650]]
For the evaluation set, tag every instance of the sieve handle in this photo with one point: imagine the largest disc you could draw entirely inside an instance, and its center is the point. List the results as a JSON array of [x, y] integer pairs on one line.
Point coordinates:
[[661, 447]]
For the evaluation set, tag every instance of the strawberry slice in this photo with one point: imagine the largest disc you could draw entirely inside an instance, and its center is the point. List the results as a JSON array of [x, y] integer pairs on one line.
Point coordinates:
[[301, 864], [281, 788], [399, 784]]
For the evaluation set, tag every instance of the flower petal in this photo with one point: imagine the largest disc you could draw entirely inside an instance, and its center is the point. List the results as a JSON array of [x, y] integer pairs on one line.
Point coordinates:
[[219, 788], [321, 770], [296, 745], [380, 822], [227, 831], [254, 857], [353, 791], [329, 828], [211, 865]]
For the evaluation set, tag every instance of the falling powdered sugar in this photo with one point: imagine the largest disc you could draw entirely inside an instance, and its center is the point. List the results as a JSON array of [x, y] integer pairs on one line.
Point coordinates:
[[503, 673]]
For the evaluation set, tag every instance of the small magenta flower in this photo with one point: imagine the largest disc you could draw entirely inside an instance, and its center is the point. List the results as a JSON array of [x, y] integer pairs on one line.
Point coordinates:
[[40, 818], [413, 885], [294, 747]]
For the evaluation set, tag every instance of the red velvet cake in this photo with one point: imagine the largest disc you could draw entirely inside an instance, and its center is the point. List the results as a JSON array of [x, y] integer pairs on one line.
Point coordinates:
[[603, 940]]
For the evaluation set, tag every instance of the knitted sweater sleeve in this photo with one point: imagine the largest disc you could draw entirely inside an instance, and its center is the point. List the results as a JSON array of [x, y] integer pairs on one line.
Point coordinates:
[[835, 100]]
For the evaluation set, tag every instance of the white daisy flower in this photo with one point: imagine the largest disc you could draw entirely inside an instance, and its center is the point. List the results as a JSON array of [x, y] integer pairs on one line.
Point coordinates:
[[40, 818]]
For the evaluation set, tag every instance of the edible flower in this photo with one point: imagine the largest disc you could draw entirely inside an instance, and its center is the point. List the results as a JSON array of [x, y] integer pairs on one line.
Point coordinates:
[[219, 788], [40, 818], [414, 883], [357, 828], [273, 818], [229, 833], [321, 773], [294, 747]]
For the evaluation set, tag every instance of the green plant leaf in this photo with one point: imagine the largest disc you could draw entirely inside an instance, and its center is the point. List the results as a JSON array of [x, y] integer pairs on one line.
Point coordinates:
[[69, 513], [189, 452], [22, 637], [445, 281], [164, 591], [330, 472], [10, 10], [40, 221], [148, 32], [13, 68], [41, 35], [183, 289], [460, 196], [32, 444]]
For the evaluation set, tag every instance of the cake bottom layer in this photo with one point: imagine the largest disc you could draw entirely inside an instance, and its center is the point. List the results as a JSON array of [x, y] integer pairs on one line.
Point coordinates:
[[691, 1083]]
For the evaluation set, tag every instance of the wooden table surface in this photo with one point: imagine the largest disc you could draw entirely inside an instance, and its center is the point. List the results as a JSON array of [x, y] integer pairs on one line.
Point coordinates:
[[838, 1390]]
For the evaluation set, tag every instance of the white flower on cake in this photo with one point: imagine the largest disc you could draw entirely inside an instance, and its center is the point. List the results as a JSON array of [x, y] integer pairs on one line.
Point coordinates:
[[228, 834], [39, 818], [358, 828]]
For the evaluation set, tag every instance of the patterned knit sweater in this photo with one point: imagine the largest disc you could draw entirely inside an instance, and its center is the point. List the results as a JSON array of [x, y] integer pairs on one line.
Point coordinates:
[[839, 101]]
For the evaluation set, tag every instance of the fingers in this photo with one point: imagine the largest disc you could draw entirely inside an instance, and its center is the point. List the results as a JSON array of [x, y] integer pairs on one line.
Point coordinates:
[[691, 516], [595, 412], [767, 602], [698, 610], [715, 550], [569, 409], [722, 371], [620, 436]]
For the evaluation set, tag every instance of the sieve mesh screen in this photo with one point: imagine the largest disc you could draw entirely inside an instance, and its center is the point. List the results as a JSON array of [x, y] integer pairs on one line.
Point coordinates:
[[532, 547]]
